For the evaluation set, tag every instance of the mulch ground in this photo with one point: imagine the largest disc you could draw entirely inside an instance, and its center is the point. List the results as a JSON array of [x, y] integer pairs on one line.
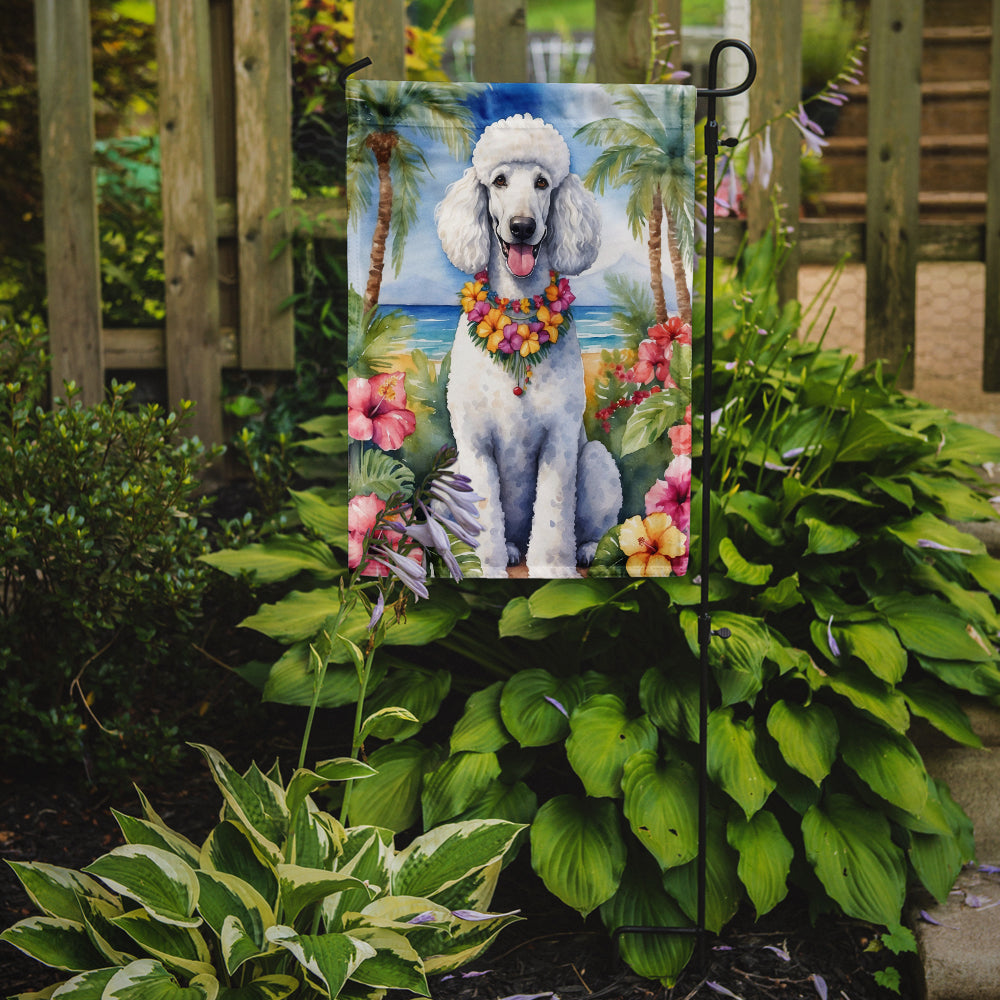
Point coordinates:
[[550, 953]]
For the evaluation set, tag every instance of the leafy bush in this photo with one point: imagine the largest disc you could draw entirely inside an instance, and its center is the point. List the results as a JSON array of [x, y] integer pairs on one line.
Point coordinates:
[[99, 541], [279, 899], [854, 602]]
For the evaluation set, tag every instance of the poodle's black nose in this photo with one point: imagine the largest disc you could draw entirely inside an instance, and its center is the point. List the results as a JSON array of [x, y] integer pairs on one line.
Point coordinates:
[[521, 228]]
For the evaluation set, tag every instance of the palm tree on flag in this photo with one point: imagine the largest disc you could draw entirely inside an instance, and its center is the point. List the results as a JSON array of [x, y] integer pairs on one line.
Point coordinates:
[[382, 156], [653, 160]]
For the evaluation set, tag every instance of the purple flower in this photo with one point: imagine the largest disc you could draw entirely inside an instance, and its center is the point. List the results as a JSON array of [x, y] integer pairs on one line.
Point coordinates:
[[761, 162], [811, 132], [927, 543], [820, 983], [558, 705], [427, 917], [377, 612], [475, 915], [834, 648], [455, 493], [408, 571]]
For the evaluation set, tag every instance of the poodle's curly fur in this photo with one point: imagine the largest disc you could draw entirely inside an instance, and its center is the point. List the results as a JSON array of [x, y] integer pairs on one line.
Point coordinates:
[[550, 494]]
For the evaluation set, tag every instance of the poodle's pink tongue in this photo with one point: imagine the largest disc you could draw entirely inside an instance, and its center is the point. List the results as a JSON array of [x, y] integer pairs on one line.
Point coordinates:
[[521, 259]]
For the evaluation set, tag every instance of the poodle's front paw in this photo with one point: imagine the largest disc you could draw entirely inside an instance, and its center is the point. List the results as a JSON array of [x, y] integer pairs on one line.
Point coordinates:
[[585, 553], [513, 555]]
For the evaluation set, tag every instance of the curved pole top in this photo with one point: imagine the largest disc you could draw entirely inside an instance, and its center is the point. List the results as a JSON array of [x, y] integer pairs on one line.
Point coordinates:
[[713, 69]]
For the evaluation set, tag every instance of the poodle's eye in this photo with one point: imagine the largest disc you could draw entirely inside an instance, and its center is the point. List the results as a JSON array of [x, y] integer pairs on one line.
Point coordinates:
[[541, 183], [500, 181]]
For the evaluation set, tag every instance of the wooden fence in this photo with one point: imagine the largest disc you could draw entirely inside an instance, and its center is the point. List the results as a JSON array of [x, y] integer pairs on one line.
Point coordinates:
[[226, 161]]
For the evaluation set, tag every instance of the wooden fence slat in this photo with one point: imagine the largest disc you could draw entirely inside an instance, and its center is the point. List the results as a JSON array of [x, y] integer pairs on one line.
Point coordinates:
[[501, 37], [190, 252], [622, 40], [380, 34], [991, 331], [261, 56], [776, 36], [892, 215], [72, 256]]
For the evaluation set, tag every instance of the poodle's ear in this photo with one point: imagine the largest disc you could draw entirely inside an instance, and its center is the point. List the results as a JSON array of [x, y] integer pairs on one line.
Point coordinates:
[[574, 227], [462, 219]]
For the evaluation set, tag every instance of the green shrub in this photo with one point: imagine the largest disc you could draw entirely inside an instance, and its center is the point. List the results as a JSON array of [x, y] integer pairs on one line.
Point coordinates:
[[101, 584], [279, 900]]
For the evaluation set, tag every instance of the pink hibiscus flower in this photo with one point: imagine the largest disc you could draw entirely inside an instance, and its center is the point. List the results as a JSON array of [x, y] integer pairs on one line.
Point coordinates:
[[672, 494], [675, 329], [376, 410], [362, 515], [653, 362]]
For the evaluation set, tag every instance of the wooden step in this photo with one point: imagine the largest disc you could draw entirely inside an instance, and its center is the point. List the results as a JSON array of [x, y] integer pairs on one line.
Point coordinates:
[[956, 53], [958, 206], [947, 162], [945, 12]]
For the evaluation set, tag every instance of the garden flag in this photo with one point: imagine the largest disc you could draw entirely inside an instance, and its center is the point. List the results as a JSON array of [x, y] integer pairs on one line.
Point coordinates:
[[520, 264]]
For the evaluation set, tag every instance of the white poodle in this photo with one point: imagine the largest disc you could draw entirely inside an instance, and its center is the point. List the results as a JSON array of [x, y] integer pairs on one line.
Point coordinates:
[[550, 494]]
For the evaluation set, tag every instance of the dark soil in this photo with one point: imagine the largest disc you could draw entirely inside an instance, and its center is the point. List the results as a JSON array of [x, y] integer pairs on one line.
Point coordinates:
[[551, 952]]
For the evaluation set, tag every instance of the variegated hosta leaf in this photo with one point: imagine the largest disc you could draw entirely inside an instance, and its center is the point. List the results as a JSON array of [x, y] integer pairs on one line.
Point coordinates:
[[661, 805], [224, 898], [304, 782], [723, 889], [116, 946], [732, 760], [54, 941], [86, 986], [395, 964], [301, 887], [328, 959], [177, 947], [642, 902], [56, 891], [275, 987], [230, 849], [765, 858], [467, 941], [256, 801], [481, 727], [141, 831], [367, 853], [315, 838], [456, 785], [147, 979], [475, 891], [158, 880], [441, 857], [850, 847], [602, 738], [535, 706], [578, 851], [807, 736]]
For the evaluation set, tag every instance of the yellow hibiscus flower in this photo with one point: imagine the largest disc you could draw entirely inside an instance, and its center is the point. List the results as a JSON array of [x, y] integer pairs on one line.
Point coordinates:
[[472, 292], [650, 544], [551, 321], [529, 343], [491, 327]]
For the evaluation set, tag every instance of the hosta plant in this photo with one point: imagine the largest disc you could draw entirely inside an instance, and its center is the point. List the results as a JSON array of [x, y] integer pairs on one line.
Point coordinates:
[[279, 900]]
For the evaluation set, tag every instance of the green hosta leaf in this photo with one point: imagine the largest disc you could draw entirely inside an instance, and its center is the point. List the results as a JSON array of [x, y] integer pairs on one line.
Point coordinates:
[[864, 691], [937, 859], [54, 941], [142, 831], [888, 763], [965, 443], [517, 620], [301, 887], [931, 628], [602, 738], [783, 595], [876, 646], [516, 803], [56, 891], [441, 857], [328, 520], [163, 884], [275, 987], [738, 661], [230, 849], [870, 436], [928, 528], [292, 680], [723, 889], [456, 784], [330, 959], [661, 798], [279, 558], [260, 809], [147, 979], [578, 851], [180, 948], [559, 598], [807, 736], [304, 782], [957, 501], [986, 572], [850, 847], [738, 569], [395, 964], [528, 710], [941, 709], [976, 678], [481, 728], [417, 690], [391, 798], [732, 760], [641, 901], [225, 897], [828, 539], [765, 858], [671, 700], [760, 512]]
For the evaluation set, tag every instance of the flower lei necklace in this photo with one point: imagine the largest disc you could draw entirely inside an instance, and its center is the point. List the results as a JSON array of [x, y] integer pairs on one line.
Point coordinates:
[[516, 332]]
